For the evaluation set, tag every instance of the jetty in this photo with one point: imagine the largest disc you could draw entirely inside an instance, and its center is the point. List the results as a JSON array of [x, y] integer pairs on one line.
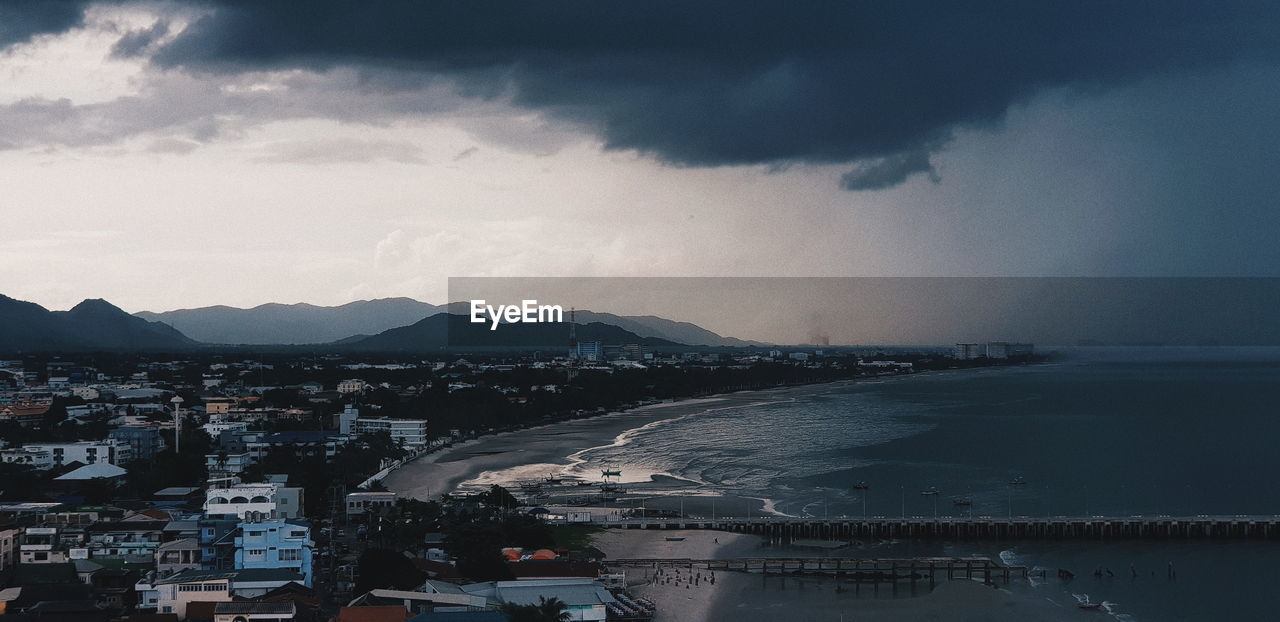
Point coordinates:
[[1257, 527], [929, 569]]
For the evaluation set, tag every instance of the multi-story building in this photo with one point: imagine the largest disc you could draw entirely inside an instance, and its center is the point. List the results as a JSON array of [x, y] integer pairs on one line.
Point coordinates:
[[40, 459], [8, 546], [177, 555], [172, 594], [131, 540], [41, 545], [275, 544], [411, 433], [88, 452], [270, 500], [217, 543], [969, 351], [225, 464], [145, 441]]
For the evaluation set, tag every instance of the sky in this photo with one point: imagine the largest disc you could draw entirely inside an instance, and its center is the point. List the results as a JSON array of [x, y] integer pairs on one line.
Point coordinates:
[[179, 154]]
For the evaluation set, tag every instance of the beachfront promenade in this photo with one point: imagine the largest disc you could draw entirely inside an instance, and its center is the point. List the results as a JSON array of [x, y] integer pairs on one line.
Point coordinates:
[[862, 570], [1056, 527]]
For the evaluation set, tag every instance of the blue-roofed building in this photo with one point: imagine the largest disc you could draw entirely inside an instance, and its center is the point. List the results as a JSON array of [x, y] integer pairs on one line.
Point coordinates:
[[275, 543]]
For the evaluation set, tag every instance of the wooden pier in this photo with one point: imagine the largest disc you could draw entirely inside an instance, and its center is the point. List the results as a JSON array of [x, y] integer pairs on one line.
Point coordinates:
[[931, 569], [979, 528]]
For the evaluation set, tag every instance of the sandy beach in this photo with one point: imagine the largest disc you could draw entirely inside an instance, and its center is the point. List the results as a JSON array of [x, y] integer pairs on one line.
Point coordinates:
[[536, 452]]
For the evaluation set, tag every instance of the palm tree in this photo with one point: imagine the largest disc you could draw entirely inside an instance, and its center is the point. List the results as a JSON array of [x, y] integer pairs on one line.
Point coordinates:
[[547, 610]]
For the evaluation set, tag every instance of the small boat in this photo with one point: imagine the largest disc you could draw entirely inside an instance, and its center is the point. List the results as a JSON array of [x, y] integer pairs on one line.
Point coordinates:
[[611, 473], [553, 480], [862, 486], [1018, 481], [963, 502], [1088, 605], [675, 539], [585, 484], [929, 491]]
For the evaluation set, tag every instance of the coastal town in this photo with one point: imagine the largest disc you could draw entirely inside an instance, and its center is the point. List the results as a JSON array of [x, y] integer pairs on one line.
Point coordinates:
[[216, 487]]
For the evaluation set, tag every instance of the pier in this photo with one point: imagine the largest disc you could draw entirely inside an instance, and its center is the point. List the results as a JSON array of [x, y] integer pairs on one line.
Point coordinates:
[[931, 569], [977, 528]]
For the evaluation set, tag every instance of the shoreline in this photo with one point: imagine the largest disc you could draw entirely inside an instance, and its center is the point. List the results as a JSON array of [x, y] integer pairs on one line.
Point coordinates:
[[533, 453], [553, 447]]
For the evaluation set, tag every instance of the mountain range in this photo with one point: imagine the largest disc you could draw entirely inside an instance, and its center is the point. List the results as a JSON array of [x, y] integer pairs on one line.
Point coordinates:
[[294, 324], [389, 324], [310, 324], [94, 324], [447, 330]]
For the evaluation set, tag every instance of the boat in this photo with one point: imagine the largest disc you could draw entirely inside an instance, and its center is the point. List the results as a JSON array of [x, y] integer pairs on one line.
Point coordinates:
[[1018, 481], [963, 502], [862, 486], [929, 491], [669, 539], [1088, 605], [611, 472], [584, 483], [553, 480]]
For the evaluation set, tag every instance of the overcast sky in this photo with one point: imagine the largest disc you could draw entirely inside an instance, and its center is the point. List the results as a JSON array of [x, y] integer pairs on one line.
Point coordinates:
[[178, 154]]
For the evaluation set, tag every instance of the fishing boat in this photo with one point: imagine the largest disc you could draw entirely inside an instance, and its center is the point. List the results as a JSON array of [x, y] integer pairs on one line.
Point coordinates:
[[1088, 605], [862, 486], [553, 480], [1018, 481], [611, 472]]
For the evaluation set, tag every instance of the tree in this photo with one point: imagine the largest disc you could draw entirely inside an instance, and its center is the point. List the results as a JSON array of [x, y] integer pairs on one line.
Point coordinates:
[[387, 569], [547, 610]]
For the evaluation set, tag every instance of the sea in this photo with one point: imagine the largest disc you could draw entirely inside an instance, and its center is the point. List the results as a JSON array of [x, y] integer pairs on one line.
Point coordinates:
[[1095, 431]]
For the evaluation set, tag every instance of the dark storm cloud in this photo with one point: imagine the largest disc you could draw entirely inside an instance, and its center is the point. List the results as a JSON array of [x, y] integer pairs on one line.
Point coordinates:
[[881, 85], [20, 20]]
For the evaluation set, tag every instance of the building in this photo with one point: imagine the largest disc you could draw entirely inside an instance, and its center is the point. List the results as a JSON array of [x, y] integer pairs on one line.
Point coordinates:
[[255, 611], [25, 414], [145, 441], [225, 464], [275, 543], [177, 555], [588, 351], [39, 459], [410, 433], [969, 351], [133, 540], [360, 503], [301, 442], [41, 545], [586, 599], [353, 385], [8, 546], [172, 594], [270, 500], [87, 452]]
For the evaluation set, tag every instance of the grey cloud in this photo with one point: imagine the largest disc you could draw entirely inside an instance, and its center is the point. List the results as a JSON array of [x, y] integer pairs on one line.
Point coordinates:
[[745, 82], [888, 171], [20, 20], [138, 42], [343, 150]]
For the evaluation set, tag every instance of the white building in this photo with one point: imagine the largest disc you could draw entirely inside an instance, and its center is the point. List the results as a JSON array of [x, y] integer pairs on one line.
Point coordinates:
[[352, 385], [969, 351], [172, 594], [361, 502], [40, 459], [271, 500], [87, 452], [412, 433]]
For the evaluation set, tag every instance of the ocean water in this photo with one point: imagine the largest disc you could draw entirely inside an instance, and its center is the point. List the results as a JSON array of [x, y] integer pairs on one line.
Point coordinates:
[[1144, 431]]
